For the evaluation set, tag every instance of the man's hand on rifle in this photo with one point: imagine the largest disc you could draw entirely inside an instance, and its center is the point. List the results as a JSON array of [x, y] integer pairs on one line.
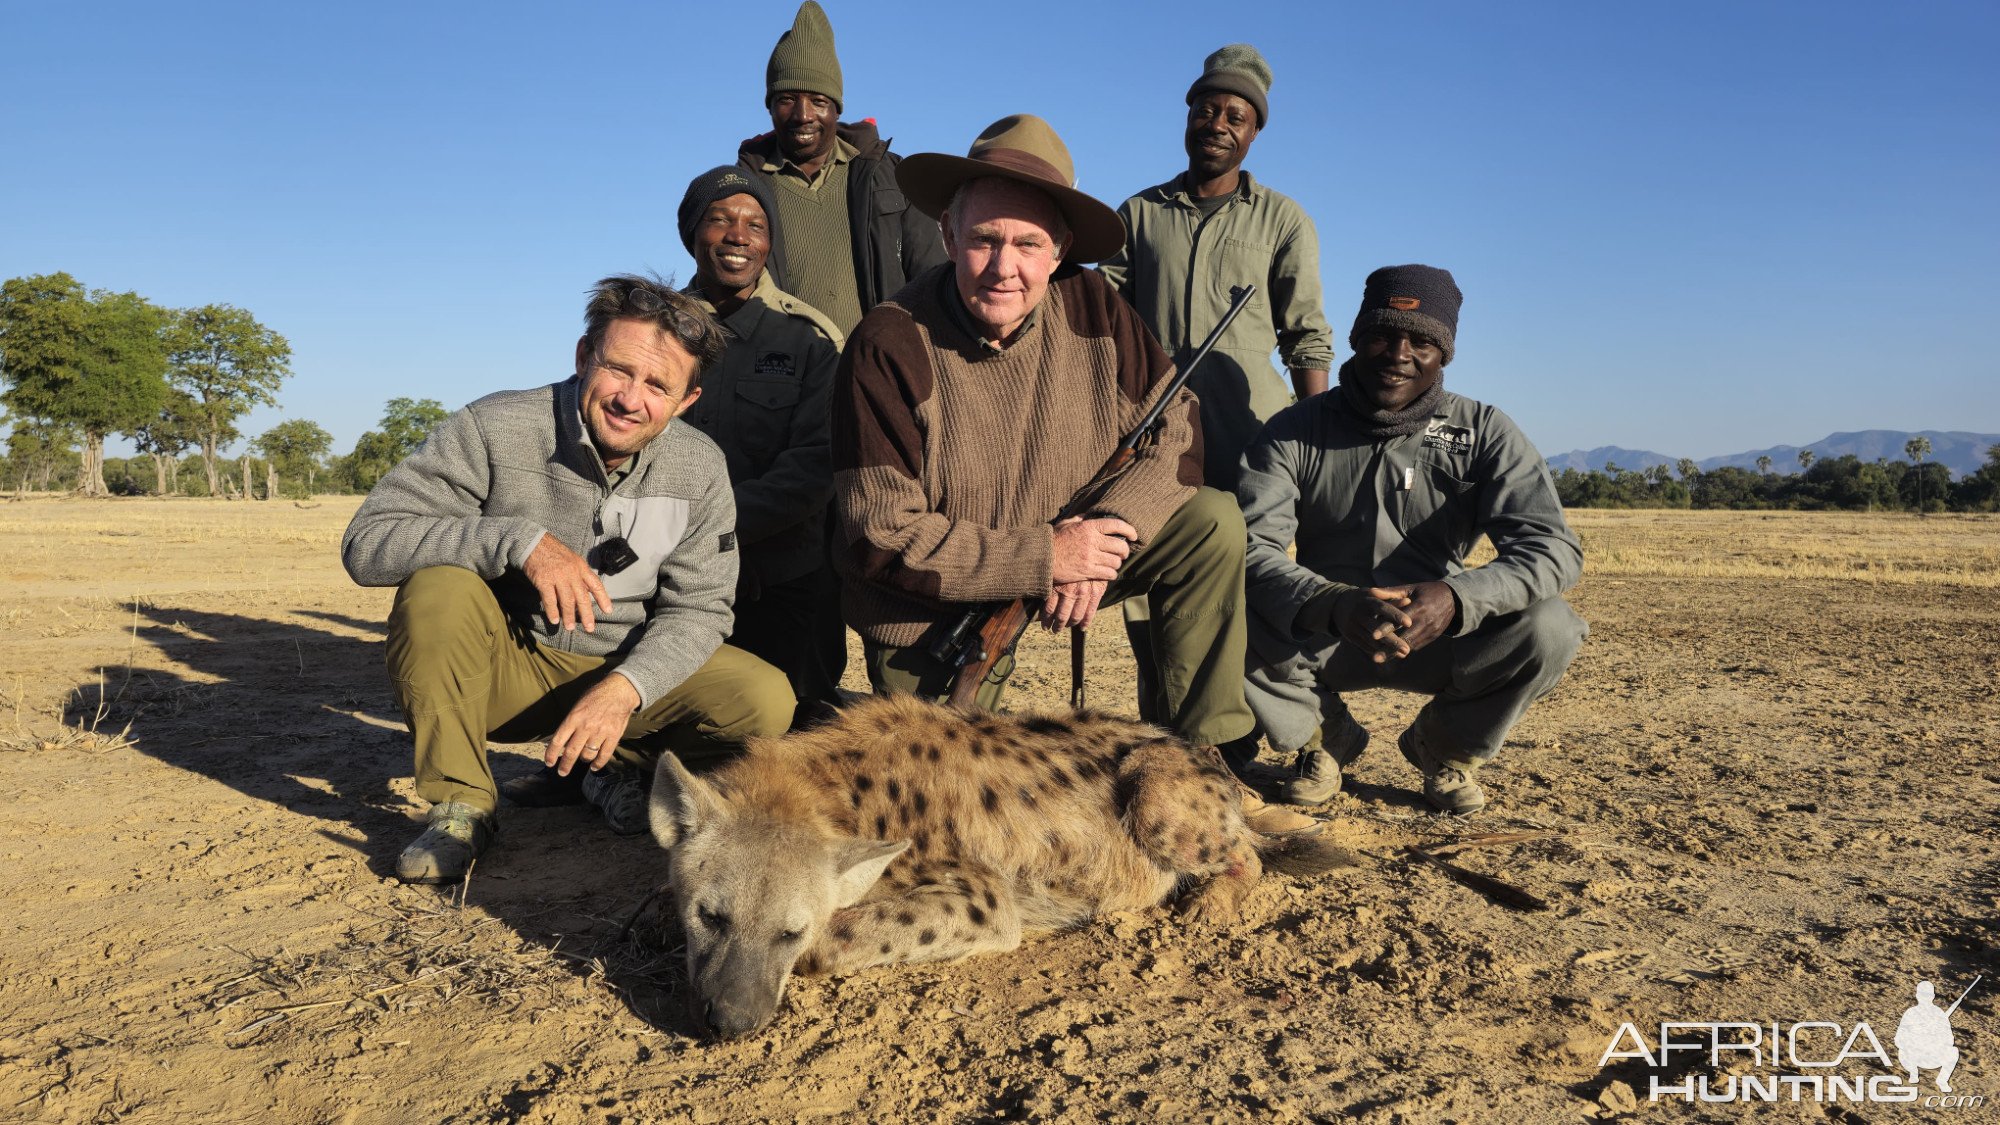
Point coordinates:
[[1072, 603], [1091, 550]]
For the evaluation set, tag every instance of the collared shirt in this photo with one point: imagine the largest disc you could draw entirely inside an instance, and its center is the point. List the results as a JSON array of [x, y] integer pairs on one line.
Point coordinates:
[[964, 321], [1178, 267], [778, 164], [1397, 511]]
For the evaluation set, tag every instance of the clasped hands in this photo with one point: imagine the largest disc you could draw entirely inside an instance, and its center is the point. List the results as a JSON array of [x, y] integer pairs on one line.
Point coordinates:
[[1088, 553], [1391, 622]]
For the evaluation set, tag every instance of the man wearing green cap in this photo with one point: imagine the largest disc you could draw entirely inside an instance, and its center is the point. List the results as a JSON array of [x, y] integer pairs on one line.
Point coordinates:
[[850, 236], [1193, 239], [1387, 482]]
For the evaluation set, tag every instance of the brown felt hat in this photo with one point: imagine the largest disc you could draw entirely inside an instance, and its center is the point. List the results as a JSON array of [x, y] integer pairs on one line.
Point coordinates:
[[1023, 148]]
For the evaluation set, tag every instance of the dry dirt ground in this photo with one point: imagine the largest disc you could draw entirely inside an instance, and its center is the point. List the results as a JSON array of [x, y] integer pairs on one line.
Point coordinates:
[[1767, 791]]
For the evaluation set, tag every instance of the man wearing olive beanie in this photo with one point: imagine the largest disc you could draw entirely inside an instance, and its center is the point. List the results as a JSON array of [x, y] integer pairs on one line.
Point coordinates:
[[850, 237], [1386, 483]]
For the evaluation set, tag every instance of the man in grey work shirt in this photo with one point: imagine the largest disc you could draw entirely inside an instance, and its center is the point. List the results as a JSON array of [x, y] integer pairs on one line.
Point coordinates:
[[1386, 483], [1193, 239]]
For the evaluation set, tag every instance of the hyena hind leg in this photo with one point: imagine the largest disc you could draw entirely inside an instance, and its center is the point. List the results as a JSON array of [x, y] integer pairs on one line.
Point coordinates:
[[943, 918], [1183, 812]]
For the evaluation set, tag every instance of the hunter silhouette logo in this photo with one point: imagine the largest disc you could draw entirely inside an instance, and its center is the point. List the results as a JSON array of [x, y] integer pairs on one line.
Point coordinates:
[[1923, 1036], [1796, 1061], [1404, 303]]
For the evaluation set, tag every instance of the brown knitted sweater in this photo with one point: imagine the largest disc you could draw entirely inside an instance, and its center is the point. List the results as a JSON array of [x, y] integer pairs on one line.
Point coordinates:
[[951, 459]]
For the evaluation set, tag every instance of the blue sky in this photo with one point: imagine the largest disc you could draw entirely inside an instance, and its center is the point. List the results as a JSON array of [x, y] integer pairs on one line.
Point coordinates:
[[1688, 227]]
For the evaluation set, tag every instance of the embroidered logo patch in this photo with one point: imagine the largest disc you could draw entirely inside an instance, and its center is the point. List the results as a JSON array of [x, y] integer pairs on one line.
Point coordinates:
[[776, 363], [1404, 303], [1451, 439]]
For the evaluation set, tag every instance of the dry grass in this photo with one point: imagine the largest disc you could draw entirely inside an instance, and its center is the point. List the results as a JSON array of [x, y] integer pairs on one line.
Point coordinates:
[[1886, 548]]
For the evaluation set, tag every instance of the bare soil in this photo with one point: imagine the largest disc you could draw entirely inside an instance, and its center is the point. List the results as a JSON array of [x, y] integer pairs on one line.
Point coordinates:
[[1755, 797]]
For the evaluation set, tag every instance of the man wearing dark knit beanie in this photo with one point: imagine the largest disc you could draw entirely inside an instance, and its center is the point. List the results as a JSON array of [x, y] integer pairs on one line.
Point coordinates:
[[1386, 483], [850, 236], [1194, 238]]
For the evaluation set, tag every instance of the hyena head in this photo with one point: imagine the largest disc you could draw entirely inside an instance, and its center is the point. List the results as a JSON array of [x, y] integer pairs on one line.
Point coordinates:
[[753, 892]]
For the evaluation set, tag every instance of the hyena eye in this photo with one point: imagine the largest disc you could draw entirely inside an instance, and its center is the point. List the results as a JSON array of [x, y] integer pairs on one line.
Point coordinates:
[[790, 936], [713, 919]]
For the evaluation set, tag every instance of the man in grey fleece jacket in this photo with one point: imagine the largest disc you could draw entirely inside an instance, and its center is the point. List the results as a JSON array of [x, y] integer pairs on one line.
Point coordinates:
[[565, 562], [1386, 482]]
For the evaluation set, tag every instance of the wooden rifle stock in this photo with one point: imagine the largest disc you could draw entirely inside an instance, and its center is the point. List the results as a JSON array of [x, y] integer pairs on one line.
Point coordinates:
[[987, 632]]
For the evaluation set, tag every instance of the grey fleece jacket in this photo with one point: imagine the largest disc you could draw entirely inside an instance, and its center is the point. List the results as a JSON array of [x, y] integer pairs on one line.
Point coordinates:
[[498, 475], [1397, 512]]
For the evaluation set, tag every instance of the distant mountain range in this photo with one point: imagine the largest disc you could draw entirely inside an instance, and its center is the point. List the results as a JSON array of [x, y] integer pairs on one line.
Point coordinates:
[[1956, 450]]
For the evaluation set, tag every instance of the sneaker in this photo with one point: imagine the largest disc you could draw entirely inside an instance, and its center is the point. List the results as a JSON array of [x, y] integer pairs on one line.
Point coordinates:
[[1317, 769], [457, 833], [619, 792], [1448, 786], [544, 789]]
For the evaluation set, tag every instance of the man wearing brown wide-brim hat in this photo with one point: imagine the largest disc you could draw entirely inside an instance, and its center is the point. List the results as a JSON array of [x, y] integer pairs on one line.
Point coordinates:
[[979, 401]]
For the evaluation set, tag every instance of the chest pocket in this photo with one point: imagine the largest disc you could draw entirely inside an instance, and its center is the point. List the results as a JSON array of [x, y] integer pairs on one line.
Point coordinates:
[[764, 415], [890, 202], [1442, 508]]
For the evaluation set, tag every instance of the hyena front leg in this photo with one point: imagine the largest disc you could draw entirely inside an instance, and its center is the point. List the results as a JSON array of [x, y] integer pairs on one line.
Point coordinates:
[[1184, 813], [942, 916]]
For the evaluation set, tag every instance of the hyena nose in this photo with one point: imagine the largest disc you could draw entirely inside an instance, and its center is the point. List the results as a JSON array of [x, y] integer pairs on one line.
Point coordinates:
[[726, 1022]]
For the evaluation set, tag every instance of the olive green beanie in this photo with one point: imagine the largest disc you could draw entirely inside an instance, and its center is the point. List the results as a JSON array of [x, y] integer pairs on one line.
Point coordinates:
[[803, 59], [1236, 69]]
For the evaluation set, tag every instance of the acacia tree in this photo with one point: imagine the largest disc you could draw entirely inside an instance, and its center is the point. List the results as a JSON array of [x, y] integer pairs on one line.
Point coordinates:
[[171, 431], [227, 363], [36, 450], [295, 446], [88, 361], [406, 422]]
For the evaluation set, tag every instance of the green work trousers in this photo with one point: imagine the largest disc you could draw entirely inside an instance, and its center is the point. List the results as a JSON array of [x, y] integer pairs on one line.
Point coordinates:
[[463, 672], [1192, 572]]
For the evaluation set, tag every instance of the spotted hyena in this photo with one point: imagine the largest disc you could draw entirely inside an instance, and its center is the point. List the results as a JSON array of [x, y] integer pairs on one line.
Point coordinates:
[[906, 831]]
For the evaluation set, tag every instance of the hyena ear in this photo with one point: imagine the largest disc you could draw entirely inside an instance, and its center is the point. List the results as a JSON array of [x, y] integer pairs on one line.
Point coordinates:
[[681, 801], [857, 864]]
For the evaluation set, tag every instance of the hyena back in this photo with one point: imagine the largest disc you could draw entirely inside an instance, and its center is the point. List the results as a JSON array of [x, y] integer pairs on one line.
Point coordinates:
[[905, 831]]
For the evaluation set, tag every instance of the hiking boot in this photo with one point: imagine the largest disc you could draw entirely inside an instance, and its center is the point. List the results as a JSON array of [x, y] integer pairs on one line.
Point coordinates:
[[457, 833], [1448, 786], [1317, 769], [1451, 790], [544, 789], [619, 792]]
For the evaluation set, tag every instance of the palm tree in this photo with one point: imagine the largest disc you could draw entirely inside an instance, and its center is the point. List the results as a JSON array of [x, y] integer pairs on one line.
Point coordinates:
[[1764, 465], [1806, 458], [1918, 448]]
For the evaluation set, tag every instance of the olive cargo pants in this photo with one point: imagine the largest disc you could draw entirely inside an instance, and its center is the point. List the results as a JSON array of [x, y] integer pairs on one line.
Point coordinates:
[[1193, 573], [462, 671]]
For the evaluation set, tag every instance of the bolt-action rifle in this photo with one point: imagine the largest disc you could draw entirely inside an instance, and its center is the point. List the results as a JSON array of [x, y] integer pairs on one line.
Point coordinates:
[[987, 632]]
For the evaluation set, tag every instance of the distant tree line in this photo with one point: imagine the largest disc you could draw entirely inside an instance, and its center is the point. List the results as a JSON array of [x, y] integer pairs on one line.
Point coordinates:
[[1845, 483], [78, 366]]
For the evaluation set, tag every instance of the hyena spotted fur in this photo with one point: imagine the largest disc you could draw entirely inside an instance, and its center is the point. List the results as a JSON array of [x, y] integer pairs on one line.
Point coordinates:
[[905, 831]]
